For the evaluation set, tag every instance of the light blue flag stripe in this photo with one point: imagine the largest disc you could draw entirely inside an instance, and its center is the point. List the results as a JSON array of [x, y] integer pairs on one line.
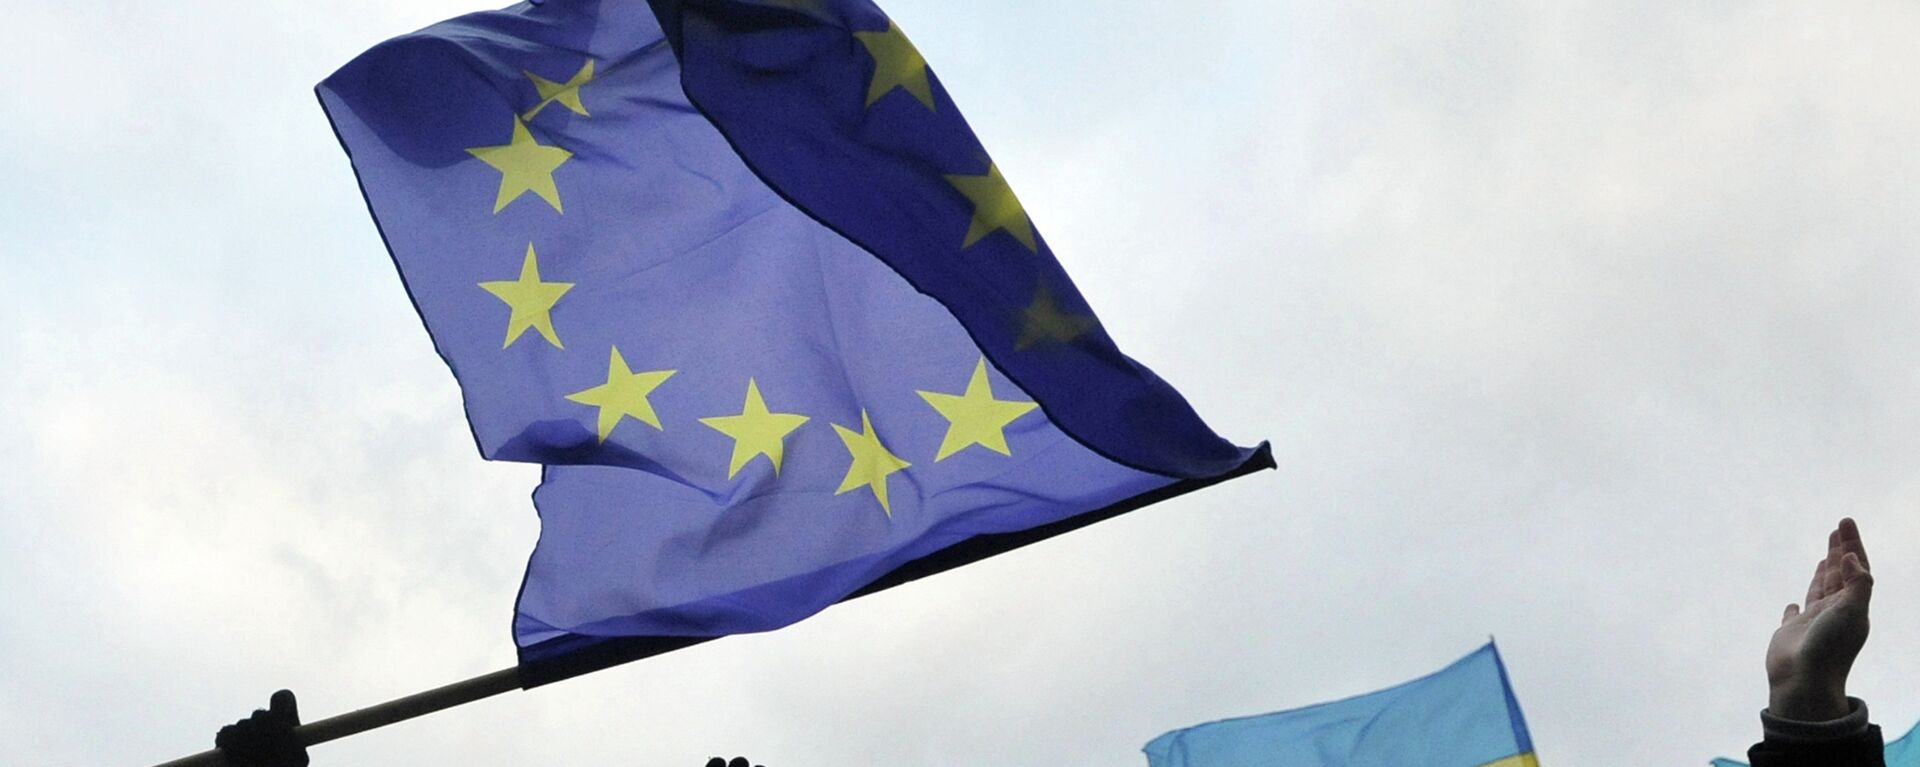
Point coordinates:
[[1462, 716]]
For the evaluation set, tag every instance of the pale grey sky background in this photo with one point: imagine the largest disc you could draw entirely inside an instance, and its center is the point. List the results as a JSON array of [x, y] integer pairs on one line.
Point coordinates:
[[1574, 323]]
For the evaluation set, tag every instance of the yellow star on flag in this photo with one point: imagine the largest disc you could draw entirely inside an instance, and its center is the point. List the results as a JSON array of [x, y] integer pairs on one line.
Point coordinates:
[[896, 64], [525, 165], [872, 462], [567, 93], [994, 208], [623, 395], [532, 301], [976, 418], [755, 431], [1043, 322]]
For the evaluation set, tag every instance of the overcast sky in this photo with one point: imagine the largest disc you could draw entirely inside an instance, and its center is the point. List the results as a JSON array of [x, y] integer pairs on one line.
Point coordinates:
[[1576, 324]]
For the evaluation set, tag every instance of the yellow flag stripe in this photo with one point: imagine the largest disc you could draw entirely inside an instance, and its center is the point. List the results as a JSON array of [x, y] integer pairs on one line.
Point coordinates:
[[1523, 760]]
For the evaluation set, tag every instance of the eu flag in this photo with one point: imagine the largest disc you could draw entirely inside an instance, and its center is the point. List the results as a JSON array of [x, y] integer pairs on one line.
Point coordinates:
[[1463, 715], [740, 276]]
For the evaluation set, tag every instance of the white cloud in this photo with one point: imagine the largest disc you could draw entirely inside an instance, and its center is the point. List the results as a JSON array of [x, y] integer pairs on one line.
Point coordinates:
[[1571, 324]]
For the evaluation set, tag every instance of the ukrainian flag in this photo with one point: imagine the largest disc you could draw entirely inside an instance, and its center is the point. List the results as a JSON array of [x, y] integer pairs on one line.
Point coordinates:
[[1464, 715]]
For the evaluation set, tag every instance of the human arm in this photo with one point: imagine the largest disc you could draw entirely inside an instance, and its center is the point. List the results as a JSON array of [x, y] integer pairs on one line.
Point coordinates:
[[1809, 719]]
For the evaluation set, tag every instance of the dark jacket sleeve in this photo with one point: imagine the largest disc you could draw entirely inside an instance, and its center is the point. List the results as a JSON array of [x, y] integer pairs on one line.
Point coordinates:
[[1846, 742]]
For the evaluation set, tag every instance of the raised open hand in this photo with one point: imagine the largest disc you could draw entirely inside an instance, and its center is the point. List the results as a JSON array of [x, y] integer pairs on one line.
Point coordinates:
[[1813, 650]]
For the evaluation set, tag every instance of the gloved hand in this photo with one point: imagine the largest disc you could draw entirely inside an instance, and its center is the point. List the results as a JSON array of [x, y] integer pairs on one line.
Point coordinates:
[[266, 738]]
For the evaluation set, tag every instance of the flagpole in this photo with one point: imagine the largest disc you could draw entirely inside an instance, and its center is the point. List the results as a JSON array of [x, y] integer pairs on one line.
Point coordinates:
[[611, 652], [381, 715]]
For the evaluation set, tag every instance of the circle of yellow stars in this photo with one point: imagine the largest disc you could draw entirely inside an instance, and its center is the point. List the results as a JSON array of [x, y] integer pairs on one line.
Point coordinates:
[[975, 417]]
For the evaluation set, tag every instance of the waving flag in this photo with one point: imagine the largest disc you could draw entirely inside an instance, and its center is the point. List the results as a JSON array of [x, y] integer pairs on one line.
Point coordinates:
[[1464, 715], [741, 276]]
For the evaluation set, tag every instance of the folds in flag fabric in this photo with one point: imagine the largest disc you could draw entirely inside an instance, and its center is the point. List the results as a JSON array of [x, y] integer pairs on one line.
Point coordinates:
[[740, 276], [1903, 751], [1465, 715]]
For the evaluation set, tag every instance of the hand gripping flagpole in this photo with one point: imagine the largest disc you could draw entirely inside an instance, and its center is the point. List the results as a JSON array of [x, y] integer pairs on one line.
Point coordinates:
[[618, 651], [381, 715], [597, 657]]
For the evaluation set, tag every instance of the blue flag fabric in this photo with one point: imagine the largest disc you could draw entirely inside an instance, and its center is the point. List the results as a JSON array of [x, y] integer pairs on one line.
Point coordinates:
[[1903, 751], [740, 276], [1462, 716]]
